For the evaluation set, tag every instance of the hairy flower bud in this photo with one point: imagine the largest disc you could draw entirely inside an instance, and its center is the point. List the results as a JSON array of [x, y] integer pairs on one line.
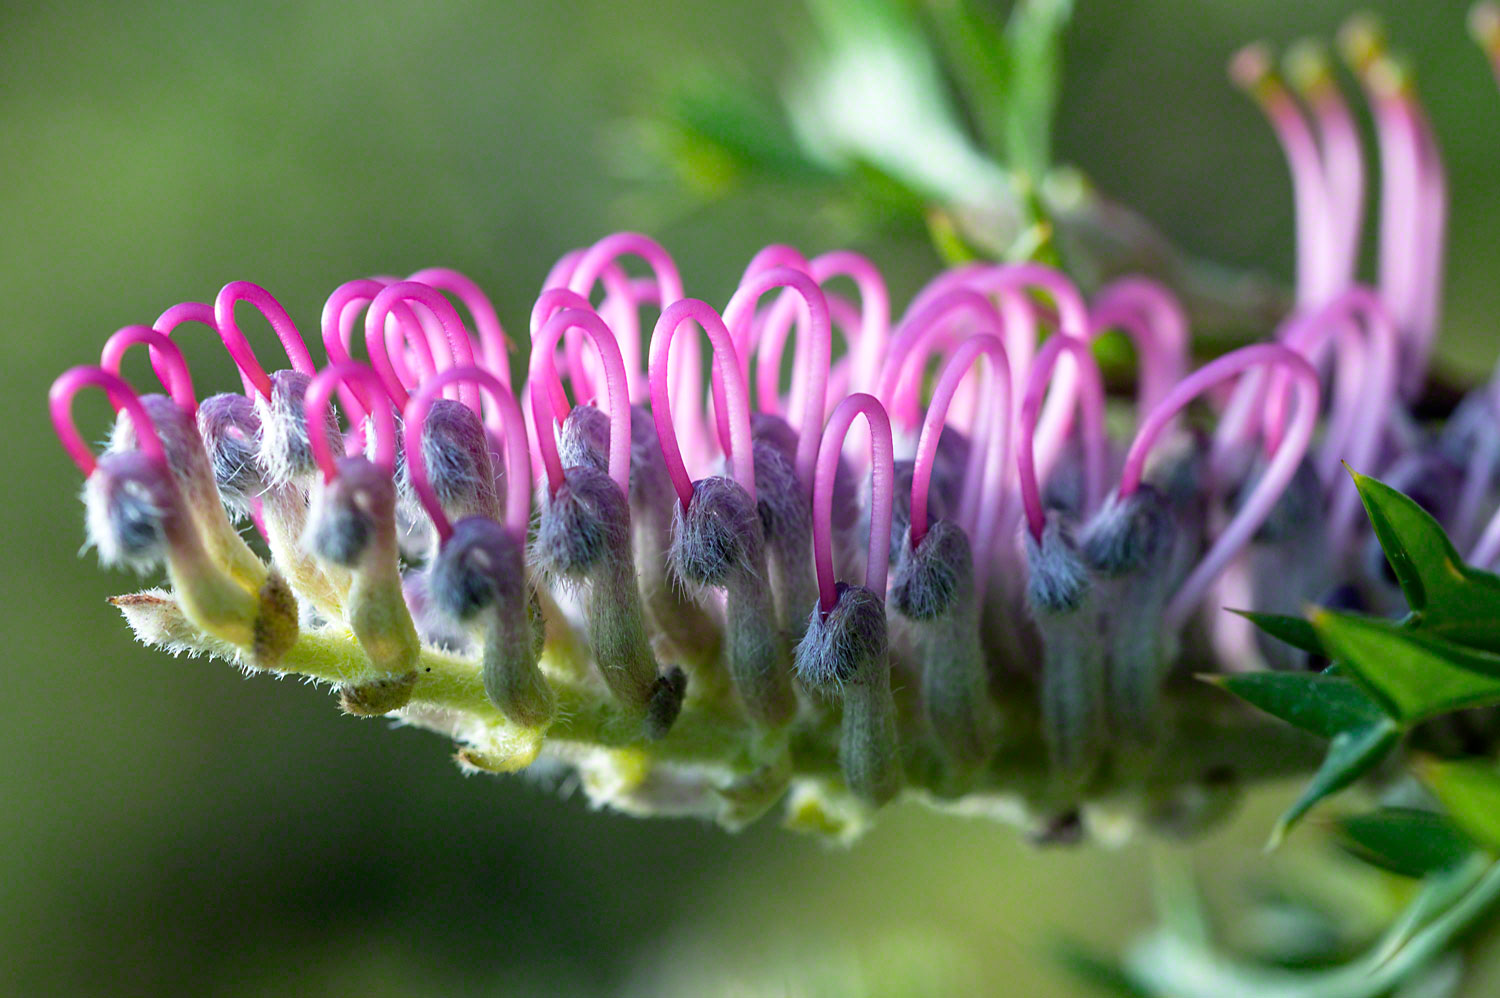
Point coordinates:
[[846, 653], [933, 587], [717, 541], [480, 571], [1062, 603]]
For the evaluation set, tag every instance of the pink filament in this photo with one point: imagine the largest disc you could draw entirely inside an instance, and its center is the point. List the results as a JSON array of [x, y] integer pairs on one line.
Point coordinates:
[[121, 396], [1156, 323], [1090, 398], [1344, 171], [1278, 474], [453, 348], [548, 304], [493, 344], [177, 315], [545, 413], [882, 479], [517, 469], [239, 347], [991, 491], [164, 354], [316, 404], [814, 350], [731, 374], [687, 369]]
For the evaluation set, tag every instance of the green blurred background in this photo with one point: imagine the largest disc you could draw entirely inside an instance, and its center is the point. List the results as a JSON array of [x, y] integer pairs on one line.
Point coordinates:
[[168, 827]]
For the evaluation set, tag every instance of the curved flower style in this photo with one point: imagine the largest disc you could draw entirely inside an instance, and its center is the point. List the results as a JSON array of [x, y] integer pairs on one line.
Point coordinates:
[[670, 624]]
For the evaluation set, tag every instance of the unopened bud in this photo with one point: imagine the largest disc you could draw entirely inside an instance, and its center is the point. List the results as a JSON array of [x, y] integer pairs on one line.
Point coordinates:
[[933, 586], [718, 542], [230, 429], [285, 451], [459, 462], [846, 652], [786, 519], [1129, 544], [1061, 598]]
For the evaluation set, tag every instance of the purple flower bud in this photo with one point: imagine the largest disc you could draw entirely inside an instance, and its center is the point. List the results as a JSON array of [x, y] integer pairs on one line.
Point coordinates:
[[285, 452]]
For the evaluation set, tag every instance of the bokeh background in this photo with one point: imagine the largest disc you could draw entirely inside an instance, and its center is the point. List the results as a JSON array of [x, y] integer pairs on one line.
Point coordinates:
[[168, 827]]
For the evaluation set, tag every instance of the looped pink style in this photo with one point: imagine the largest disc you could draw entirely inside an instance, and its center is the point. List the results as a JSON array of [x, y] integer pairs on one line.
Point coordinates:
[[452, 349], [493, 344], [121, 396], [1089, 392], [239, 347], [687, 369], [545, 387], [735, 403], [1278, 474], [900, 384], [164, 354], [517, 465], [982, 499], [814, 351], [1151, 316], [882, 481], [181, 314], [380, 412]]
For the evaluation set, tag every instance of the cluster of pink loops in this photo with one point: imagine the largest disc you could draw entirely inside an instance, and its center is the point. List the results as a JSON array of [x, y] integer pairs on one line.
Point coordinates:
[[450, 350], [1089, 394], [1278, 474], [315, 405], [339, 317], [814, 351], [882, 481], [986, 495], [494, 346], [164, 354], [736, 393], [620, 311], [121, 396], [1155, 322], [239, 347], [546, 412], [517, 470]]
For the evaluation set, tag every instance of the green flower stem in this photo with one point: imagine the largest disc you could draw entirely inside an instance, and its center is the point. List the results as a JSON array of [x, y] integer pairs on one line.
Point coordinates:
[[1210, 737]]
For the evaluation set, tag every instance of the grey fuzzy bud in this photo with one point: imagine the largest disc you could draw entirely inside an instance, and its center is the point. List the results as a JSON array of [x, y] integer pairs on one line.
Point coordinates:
[[284, 449], [1073, 663], [584, 438], [479, 564], [126, 499], [717, 542], [584, 536], [1058, 580], [480, 569], [933, 586], [1130, 544], [459, 461], [338, 530], [846, 650], [230, 429]]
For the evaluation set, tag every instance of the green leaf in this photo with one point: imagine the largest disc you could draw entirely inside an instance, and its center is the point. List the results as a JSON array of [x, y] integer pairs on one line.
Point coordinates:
[[1351, 754], [977, 51], [1295, 631], [1448, 599], [1325, 705], [1035, 49], [1407, 841], [1470, 791], [1415, 676]]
